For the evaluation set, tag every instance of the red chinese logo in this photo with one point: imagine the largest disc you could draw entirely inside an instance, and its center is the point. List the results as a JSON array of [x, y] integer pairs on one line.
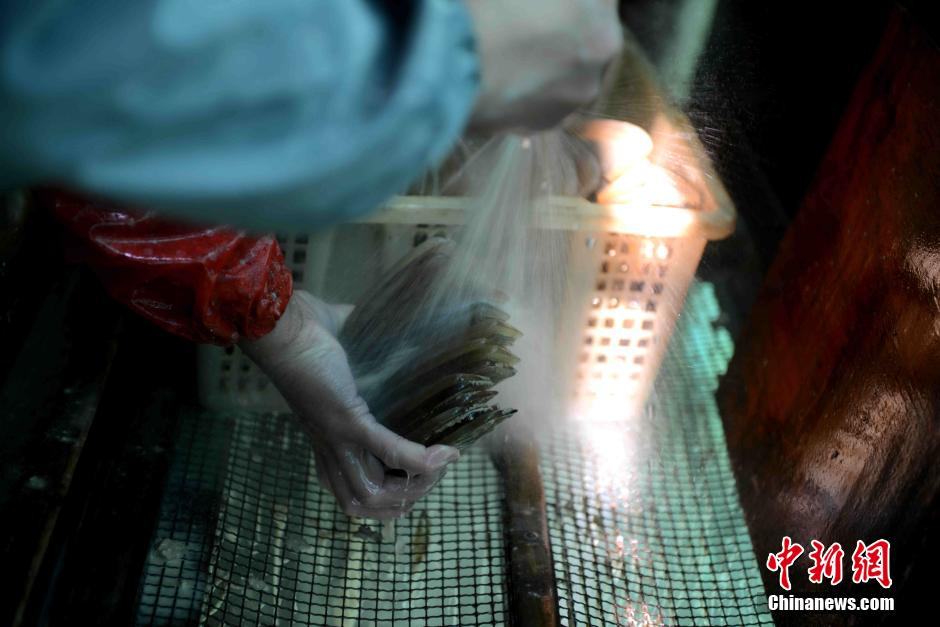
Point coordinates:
[[869, 562], [872, 561], [783, 560], [826, 563]]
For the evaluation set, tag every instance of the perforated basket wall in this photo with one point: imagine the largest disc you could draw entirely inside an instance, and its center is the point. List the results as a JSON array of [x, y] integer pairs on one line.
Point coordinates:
[[638, 285]]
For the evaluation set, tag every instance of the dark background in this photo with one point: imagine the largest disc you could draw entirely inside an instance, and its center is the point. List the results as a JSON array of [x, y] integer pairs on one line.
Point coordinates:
[[771, 86]]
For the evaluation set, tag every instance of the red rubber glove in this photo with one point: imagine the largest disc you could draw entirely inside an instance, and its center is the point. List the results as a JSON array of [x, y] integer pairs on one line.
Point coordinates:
[[207, 284]]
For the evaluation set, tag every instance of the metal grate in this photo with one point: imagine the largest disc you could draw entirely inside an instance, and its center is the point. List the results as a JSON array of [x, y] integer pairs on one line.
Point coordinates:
[[173, 584], [282, 553], [643, 517], [643, 514]]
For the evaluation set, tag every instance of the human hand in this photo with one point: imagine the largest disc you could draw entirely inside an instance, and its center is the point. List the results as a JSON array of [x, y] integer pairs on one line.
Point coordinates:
[[354, 454], [541, 59]]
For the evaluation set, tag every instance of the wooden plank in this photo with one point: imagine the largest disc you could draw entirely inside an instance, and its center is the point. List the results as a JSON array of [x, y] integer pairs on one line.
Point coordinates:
[[47, 404], [533, 599], [97, 554], [831, 402]]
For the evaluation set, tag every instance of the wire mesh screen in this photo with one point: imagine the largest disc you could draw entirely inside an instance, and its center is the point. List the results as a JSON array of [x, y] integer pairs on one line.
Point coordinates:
[[643, 516], [274, 549], [173, 583]]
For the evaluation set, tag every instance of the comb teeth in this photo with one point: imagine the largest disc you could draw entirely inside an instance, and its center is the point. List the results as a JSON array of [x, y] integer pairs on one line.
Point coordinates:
[[429, 378]]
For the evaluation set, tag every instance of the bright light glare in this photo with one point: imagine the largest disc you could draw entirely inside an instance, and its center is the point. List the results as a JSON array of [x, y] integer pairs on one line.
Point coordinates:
[[644, 198], [644, 184], [621, 145], [610, 453], [655, 222]]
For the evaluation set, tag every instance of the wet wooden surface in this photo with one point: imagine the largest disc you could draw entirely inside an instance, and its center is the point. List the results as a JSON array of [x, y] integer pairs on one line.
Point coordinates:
[[106, 529], [47, 405], [533, 600], [832, 402]]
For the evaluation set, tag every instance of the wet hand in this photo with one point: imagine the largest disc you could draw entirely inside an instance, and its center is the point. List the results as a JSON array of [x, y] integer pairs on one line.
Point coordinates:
[[358, 460]]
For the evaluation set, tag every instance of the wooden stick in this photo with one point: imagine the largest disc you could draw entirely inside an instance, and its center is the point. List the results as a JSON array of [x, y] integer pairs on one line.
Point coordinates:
[[533, 601]]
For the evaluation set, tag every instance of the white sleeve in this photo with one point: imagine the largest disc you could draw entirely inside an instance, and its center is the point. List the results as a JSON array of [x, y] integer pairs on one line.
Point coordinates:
[[268, 114]]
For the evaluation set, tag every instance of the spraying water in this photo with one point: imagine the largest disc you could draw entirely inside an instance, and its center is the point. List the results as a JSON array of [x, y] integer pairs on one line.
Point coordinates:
[[508, 257], [554, 278]]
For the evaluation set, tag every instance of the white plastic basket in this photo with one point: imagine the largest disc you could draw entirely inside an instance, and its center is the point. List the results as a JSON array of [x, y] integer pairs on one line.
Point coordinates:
[[644, 251]]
